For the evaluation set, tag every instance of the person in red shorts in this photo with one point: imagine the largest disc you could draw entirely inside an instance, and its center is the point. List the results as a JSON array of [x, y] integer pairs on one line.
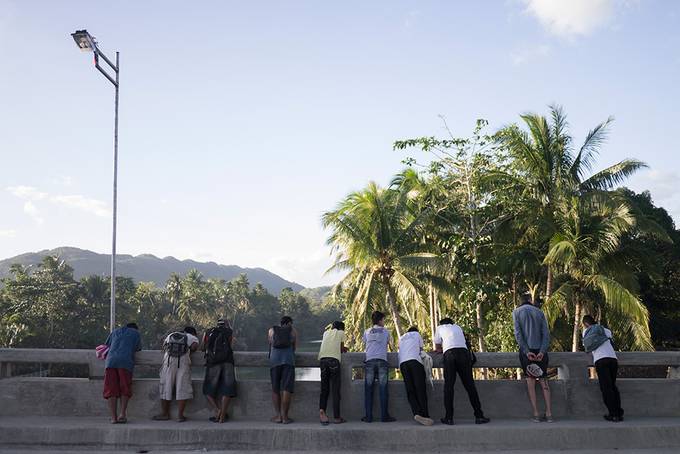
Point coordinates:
[[120, 361]]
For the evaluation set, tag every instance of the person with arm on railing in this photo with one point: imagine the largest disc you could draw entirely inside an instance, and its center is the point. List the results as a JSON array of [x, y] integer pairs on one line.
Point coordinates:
[[219, 384], [597, 341], [533, 338], [413, 372], [330, 354], [377, 341], [175, 374], [449, 339], [282, 346], [123, 343]]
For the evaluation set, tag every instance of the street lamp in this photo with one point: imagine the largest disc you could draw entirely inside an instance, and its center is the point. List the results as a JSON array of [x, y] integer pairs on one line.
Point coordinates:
[[87, 43]]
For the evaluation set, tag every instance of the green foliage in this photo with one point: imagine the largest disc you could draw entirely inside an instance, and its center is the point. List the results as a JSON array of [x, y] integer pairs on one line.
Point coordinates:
[[46, 307]]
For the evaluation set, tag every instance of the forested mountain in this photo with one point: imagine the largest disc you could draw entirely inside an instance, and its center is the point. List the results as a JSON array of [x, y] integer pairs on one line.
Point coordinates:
[[147, 267]]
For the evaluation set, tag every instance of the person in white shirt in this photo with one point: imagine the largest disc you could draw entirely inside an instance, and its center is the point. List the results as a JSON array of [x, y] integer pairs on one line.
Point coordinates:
[[175, 375], [606, 365], [413, 373], [450, 340]]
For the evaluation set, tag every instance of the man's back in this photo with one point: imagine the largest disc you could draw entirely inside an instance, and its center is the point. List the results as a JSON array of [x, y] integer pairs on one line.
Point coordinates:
[[123, 343], [531, 328], [376, 340]]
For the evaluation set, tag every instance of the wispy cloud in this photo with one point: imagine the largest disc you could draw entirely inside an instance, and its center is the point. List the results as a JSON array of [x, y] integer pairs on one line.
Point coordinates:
[[93, 206], [27, 193], [411, 18], [522, 56], [8, 233], [571, 18], [32, 211], [77, 201]]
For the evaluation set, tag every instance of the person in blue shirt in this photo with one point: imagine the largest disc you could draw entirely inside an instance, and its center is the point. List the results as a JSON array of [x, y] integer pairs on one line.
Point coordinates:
[[533, 338], [120, 362]]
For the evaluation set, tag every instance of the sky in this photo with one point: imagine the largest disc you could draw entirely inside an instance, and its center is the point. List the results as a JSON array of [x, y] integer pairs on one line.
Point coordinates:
[[242, 122]]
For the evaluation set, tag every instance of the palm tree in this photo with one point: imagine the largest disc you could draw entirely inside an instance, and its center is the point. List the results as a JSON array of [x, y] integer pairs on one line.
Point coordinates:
[[374, 235], [174, 288], [550, 170], [587, 248]]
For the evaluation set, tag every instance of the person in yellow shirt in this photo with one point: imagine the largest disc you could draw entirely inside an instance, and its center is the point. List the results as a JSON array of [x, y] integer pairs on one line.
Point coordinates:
[[332, 346]]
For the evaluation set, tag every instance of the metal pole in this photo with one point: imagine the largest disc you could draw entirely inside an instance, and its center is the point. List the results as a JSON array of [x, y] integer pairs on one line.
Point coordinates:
[[115, 203]]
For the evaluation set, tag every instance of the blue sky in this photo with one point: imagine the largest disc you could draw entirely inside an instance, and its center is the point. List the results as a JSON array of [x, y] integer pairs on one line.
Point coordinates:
[[241, 122]]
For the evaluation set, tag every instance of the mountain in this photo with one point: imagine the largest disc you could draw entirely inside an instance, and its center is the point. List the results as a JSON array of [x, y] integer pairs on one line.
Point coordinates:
[[147, 267]]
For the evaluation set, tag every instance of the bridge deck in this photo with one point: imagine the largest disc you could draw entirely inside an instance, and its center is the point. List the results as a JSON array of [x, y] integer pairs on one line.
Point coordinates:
[[403, 436]]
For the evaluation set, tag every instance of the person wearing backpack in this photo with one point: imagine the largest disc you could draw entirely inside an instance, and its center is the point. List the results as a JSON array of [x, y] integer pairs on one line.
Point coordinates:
[[282, 344], [175, 375], [219, 385], [597, 341]]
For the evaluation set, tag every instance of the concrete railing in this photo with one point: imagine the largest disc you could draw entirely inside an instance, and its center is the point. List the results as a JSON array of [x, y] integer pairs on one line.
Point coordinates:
[[574, 393]]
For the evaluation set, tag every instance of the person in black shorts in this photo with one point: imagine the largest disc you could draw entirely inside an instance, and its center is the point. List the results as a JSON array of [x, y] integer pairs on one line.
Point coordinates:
[[282, 343], [219, 385], [533, 338]]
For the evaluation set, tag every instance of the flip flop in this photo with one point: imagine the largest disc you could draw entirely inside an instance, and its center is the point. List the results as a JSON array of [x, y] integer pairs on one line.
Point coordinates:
[[339, 421], [288, 421], [160, 418], [325, 423], [122, 420]]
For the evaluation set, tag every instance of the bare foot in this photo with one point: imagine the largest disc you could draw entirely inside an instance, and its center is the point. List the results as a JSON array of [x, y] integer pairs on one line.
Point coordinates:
[[276, 419]]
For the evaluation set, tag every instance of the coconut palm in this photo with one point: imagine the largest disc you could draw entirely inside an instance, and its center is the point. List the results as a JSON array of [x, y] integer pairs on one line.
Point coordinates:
[[374, 235], [550, 170], [587, 249]]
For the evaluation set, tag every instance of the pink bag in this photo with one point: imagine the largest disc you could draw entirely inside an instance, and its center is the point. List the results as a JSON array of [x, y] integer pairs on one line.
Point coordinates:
[[101, 351]]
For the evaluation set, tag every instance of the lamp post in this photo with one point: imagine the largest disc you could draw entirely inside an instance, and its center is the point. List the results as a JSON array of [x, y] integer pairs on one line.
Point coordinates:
[[87, 43]]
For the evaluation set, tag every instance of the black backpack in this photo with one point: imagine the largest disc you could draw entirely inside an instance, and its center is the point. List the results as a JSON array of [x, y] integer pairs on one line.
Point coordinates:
[[218, 349], [177, 346], [283, 336]]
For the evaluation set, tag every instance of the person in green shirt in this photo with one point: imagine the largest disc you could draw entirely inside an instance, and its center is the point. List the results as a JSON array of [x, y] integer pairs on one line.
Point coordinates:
[[332, 346]]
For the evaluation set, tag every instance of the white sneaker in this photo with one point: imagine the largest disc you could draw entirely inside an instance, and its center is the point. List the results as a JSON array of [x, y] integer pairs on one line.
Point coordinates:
[[423, 420]]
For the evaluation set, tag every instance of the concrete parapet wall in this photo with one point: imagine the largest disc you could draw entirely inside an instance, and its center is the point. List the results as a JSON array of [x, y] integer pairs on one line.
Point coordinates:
[[574, 395]]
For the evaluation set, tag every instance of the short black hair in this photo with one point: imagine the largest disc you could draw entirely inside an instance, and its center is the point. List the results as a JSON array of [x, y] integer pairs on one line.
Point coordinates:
[[190, 330], [589, 320], [132, 325], [376, 316], [446, 321], [413, 329], [340, 326], [285, 320], [525, 298]]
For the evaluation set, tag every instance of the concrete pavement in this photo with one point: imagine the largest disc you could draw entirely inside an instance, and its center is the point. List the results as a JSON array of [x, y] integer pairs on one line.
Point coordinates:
[[77, 433]]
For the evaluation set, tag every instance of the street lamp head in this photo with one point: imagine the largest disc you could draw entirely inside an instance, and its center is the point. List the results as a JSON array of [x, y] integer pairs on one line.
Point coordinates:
[[84, 40]]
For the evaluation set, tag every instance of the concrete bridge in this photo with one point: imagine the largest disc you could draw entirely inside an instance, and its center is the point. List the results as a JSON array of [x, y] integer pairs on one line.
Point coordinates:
[[70, 412]]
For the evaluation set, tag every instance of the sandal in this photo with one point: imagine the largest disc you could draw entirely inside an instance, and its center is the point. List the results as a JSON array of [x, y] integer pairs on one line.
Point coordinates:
[[161, 418], [288, 421], [122, 420], [182, 419], [339, 420]]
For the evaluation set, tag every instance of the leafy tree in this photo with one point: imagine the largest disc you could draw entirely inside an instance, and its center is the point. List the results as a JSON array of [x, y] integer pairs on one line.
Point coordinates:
[[372, 234]]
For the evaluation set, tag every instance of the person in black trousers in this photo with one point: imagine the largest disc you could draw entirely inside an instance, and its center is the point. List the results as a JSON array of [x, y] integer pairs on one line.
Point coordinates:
[[332, 347], [413, 373], [450, 340], [606, 366]]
